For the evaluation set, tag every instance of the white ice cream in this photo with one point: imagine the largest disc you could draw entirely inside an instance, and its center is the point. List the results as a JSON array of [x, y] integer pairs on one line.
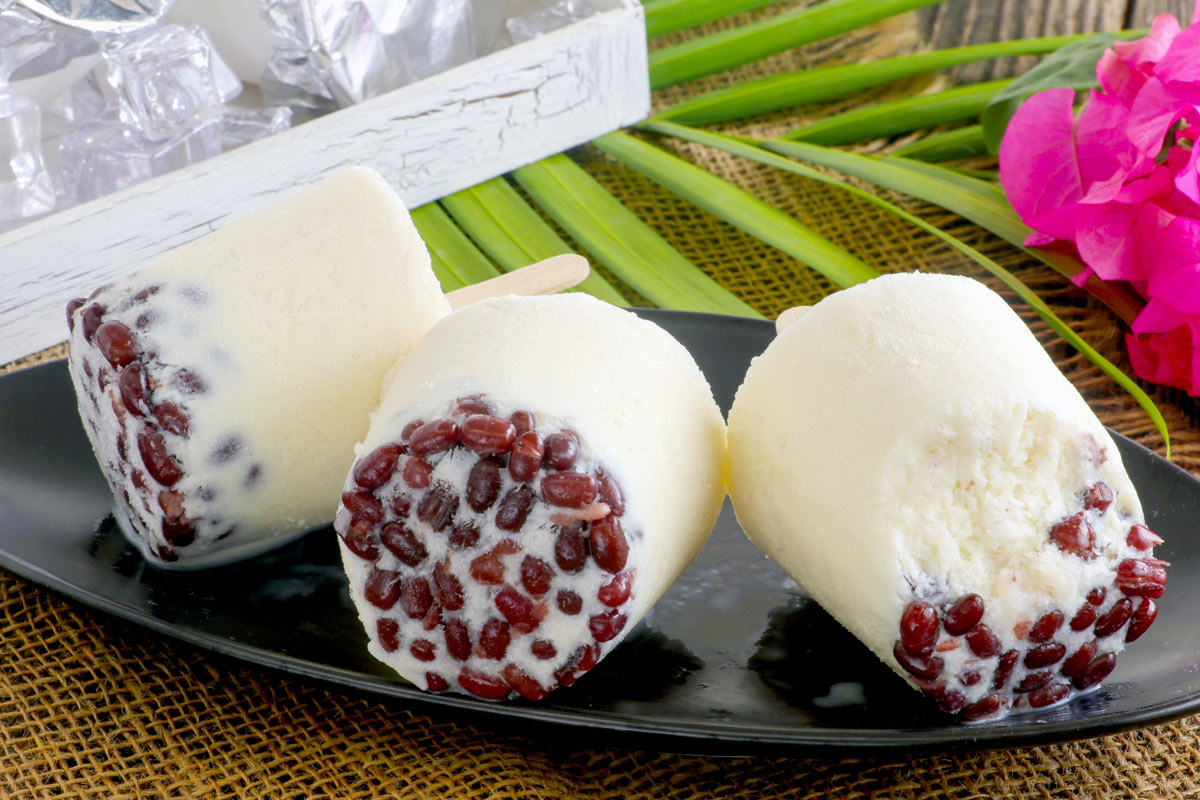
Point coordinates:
[[910, 439], [642, 411], [289, 317]]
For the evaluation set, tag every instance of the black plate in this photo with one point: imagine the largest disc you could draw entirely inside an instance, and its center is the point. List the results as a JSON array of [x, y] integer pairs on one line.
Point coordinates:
[[732, 660]]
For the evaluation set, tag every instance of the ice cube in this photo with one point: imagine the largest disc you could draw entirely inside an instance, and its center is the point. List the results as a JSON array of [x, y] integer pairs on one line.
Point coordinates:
[[31, 46], [554, 16], [333, 53], [241, 126], [26, 189], [104, 155], [168, 80]]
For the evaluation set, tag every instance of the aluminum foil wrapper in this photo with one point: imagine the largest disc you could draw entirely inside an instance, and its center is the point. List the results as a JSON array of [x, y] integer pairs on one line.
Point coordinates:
[[101, 16], [334, 53]]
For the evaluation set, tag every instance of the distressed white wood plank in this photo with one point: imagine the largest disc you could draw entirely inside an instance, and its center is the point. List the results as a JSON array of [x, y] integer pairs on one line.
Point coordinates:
[[428, 140]]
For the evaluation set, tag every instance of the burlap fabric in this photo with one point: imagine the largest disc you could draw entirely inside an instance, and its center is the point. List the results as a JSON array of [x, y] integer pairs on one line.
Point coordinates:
[[92, 707]]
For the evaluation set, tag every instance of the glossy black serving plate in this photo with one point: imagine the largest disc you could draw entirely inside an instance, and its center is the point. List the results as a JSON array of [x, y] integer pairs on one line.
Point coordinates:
[[734, 659]]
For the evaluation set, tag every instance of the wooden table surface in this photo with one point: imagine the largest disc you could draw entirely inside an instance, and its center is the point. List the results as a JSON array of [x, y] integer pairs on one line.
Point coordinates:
[[960, 22]]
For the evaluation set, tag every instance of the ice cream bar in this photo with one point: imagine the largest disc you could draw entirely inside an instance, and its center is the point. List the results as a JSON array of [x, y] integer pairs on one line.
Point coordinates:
[[908, 452], [539, 472], [224, 386]]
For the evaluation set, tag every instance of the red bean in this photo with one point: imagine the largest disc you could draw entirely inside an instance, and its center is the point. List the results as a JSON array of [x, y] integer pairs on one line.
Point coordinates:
[[403, 543], [92, 316], [616, 591], [610, 492], [1074, 535], [389, 634], [1004, 669], [1098, 496], [382, 588], [448, 588], [1046, 627], [172, 418], [416, 472], [1078, 660], [1049, 695], [377, 467], [435, 682], [522, 421], [115, 342], [1084, 617], [543, 649], [464, 536], [606, 626], [423, 650], [1138, 578], [514, 508], [1095, 672], [134, 391], [570, 549], [487, 435], [569, 489], [416, 598], [1142, 538], [988, 706], [73, 305], [525, 686], [964, 614], [458, 639], [494, 639], [947, 699], [526, 457], [438, 506], [483, 685], [158, 461], [360, 538], [364, 505], [1044, 655], [919, 628], [1142, 619], [521, 612], [608, 544], [569, 602], [927, 667], [536, 575], [1115, 619], [982, 641], [562, 450], [483, 485], [472, 404], [433, 437]]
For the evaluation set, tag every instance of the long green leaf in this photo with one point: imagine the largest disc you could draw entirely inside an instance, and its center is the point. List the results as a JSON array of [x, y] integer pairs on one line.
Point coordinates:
[[456, 261], [1073, 67], [512, 233], [669, 16], [627, 246], [741, 148], [812, 85], [900, 116], [947, 145], [739, 208], [720, 51], [980, 201]]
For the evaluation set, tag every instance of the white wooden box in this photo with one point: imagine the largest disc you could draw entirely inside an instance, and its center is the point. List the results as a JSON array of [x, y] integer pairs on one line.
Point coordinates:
[[428, 139]]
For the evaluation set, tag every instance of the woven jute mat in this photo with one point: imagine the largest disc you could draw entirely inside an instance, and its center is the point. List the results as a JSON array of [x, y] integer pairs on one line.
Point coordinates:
[[93, 707]]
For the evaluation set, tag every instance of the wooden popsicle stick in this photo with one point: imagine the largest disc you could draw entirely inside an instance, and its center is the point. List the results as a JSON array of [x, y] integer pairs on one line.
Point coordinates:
[[544, 277], [788, 317]]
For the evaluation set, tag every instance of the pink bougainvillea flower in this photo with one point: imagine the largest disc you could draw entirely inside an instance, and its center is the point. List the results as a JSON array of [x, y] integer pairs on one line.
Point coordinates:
[[1119, 184], [1125, 66]]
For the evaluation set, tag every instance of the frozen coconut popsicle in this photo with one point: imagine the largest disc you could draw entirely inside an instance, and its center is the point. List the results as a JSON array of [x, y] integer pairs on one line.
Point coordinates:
[[908, 452], [225, 384], [539, 472]]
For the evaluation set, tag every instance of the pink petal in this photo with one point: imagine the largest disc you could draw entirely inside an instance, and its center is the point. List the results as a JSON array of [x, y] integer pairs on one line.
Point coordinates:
[[1155, 109], [1179, 64], [1151, 47], [1037, 155], [1178, 287], [1117, 78], [1106, 241], [1167, 358], [1037, 239], [1187, 181], [1106, 157]]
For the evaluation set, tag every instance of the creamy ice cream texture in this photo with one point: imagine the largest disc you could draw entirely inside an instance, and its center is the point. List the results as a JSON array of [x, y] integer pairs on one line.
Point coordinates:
[[225, 384], [909, 453], [538, 473]]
